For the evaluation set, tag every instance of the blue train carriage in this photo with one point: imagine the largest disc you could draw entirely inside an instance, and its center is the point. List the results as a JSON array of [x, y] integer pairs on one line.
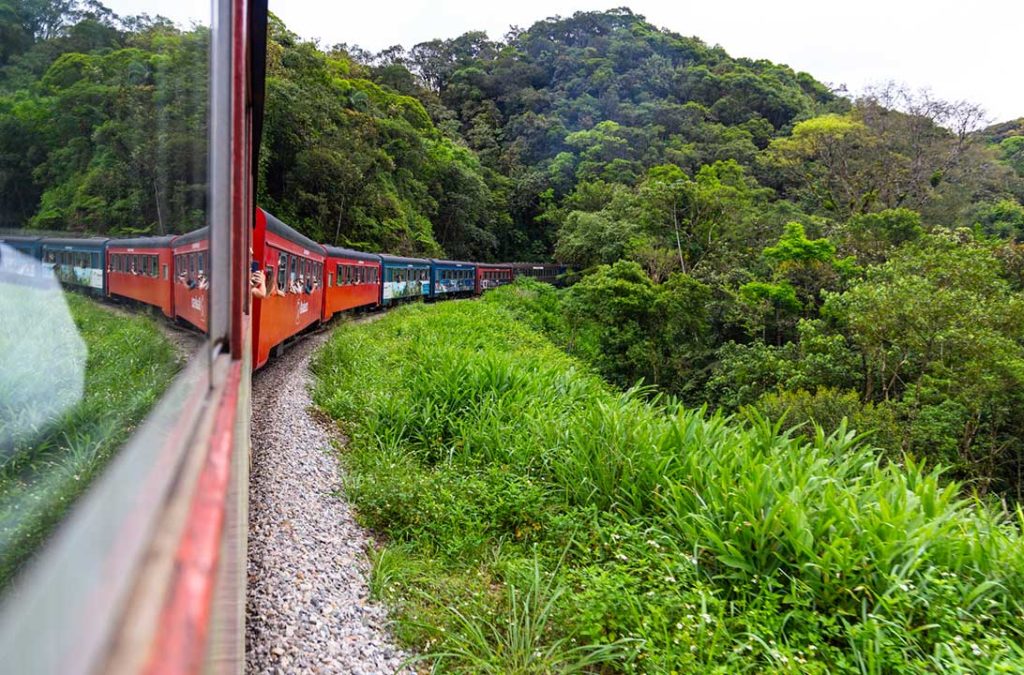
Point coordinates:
[[77, 262], [403, 279], [451, 278], [30, 247]]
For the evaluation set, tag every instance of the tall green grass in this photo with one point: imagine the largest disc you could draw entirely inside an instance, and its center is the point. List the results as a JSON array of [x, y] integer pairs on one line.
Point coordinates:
[[497, 468], [128, 365]]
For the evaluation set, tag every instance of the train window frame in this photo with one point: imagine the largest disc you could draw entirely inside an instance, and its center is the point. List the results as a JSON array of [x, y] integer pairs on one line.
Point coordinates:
[[282, 272], [292, 266], [79, 602]]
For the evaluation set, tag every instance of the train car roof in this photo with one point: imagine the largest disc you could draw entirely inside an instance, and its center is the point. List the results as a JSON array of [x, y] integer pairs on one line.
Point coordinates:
[[438, 261], [399, 260], [18, 237], [91, 242], [534, 265], [144, 242], [291, 234], [500, 266], [193, 236], [339, 252]]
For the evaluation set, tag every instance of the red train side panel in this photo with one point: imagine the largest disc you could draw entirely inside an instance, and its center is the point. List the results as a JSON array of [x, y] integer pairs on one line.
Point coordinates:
[[140, 269], [191, 286], [492, 276], [293, 266], [351, 279]]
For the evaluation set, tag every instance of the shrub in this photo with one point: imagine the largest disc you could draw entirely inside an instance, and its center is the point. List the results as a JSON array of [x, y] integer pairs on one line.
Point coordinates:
[[683, 540]]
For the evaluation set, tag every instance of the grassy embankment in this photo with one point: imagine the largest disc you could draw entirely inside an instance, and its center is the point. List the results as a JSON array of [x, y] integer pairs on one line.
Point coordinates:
[[537, 521], [128, 365]]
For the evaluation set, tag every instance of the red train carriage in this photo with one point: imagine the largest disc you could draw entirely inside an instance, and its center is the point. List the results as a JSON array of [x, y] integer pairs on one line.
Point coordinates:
[[293, 267], [140, 269], [351, 279], [492, 276], [191, 282]]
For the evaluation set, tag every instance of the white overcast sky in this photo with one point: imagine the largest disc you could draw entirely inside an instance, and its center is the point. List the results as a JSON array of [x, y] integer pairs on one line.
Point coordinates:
[[960, 50]]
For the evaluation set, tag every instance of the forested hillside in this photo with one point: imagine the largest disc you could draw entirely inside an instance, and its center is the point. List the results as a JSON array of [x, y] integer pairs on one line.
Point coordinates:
[[745, 235]]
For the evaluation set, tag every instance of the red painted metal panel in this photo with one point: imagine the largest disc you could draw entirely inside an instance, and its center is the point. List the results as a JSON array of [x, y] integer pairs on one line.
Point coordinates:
[[339, 297], [191, 301], [180, 645], [154, 291], [278, 317], [492, 277]]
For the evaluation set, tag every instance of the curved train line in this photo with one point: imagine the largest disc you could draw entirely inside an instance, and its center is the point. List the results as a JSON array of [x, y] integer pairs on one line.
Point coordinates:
[[306, 283]]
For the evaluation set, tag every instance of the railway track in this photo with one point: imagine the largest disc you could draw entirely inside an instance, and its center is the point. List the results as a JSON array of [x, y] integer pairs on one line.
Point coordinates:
[[308, 606]]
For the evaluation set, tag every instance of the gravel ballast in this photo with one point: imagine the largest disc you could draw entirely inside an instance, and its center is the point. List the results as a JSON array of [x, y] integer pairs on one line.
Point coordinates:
[[308, 606]]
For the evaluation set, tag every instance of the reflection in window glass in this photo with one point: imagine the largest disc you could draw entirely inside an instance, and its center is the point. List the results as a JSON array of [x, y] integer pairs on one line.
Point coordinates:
[[105, 121]]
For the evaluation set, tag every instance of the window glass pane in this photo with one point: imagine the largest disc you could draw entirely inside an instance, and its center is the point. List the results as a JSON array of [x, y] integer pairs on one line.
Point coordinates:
[[103, 160]]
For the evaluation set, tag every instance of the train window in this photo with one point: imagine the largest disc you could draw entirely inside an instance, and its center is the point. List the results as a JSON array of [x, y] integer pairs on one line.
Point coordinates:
[[292, 268], [140, 147]]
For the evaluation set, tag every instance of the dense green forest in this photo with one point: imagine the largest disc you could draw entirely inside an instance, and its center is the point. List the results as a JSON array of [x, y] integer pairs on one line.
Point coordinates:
[[745, 235]]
